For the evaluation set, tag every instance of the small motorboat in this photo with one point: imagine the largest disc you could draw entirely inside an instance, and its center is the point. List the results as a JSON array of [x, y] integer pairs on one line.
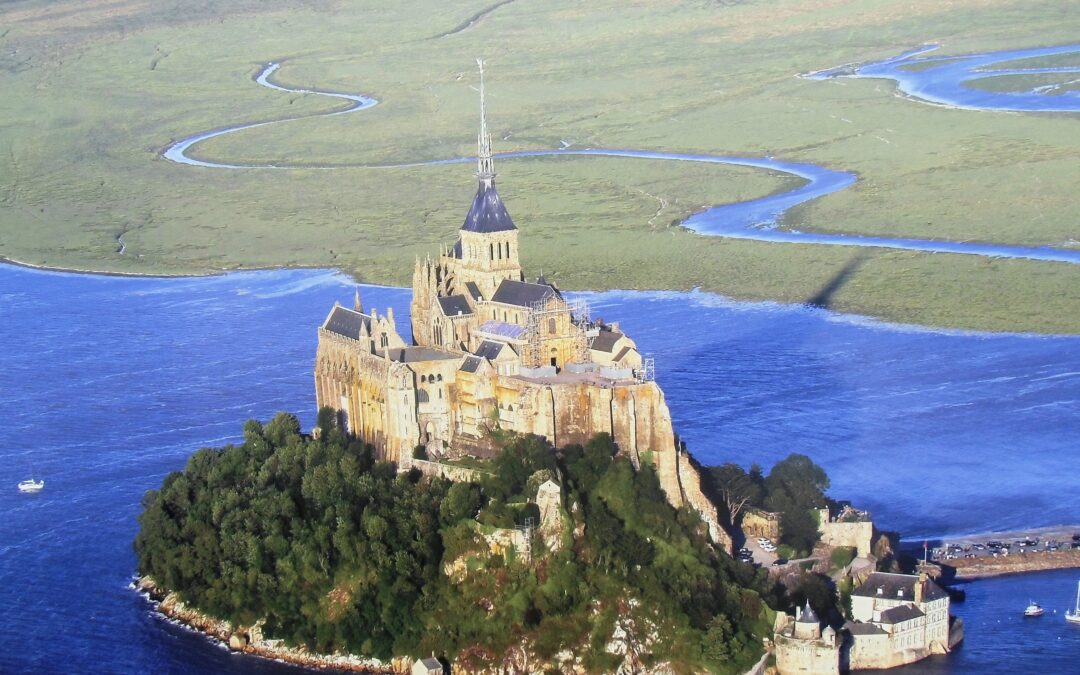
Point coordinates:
[[1033, 609], [31, 485]]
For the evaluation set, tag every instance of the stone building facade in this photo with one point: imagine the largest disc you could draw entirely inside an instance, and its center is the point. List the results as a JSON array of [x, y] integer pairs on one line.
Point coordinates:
[[896, 619], [491, 350]]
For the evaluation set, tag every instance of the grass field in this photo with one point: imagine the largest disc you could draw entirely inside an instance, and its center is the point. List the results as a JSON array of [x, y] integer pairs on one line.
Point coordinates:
[[94, 90]]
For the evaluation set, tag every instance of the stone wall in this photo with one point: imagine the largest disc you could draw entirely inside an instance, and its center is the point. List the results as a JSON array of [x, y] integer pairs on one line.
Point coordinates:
[[758, 523], [857, 535], [438, 469]]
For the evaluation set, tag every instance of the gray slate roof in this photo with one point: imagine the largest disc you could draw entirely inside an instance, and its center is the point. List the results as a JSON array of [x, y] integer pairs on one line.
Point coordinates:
[[453, 305], [489, 349], [863, 628], [891, 583], [346, 322], [487, 213], [416, 354], [808, 615], [605, 341], [471, 364], [473, 290], [521, 293], [901, 614]]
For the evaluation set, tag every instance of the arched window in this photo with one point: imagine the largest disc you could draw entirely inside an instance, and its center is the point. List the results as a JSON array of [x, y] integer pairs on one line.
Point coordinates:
[[439, 378], [385, 340], [551, 326], [507, 249], [423, 379]]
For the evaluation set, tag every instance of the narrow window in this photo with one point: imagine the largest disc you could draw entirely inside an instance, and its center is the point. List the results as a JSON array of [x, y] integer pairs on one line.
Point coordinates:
[[491, 251], [551, 326], [439, 377]]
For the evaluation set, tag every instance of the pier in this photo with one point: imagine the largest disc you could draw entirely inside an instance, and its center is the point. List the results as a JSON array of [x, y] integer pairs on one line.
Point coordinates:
[[996, 553]]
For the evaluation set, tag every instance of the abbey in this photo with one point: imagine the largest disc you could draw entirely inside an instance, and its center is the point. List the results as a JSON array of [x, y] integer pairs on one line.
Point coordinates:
[[492, 350]]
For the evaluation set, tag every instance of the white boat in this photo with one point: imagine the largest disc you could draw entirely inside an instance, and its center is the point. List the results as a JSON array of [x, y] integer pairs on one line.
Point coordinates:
[[31, 485], [1033, 609], [1074, 616]]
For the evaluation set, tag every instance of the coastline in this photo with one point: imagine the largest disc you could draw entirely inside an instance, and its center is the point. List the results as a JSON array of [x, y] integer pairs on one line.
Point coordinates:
[[985, 568], [986, 565], [250, 641]]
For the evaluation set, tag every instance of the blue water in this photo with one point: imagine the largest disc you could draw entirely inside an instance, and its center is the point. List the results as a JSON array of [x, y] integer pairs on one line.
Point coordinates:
[[755, 219], [943, 80], [107, 384]]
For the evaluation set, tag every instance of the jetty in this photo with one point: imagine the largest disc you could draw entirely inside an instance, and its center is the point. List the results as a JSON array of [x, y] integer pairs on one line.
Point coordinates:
[[998, 553]]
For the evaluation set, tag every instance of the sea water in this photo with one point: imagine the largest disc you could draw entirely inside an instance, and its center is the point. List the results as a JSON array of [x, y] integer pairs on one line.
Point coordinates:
[[107, 384]]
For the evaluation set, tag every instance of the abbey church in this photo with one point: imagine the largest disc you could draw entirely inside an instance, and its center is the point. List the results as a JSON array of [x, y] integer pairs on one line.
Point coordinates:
[[492, 350]]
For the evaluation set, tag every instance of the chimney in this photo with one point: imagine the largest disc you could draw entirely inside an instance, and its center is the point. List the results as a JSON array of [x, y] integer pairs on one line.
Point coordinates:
[[920, 588]]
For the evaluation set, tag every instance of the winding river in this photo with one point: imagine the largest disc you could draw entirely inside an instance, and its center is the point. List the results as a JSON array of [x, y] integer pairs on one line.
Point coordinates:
[[944, 80], [756, 219]]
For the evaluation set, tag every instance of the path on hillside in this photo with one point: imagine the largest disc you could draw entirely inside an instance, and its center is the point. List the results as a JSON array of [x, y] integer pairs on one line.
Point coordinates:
[[756, 219]]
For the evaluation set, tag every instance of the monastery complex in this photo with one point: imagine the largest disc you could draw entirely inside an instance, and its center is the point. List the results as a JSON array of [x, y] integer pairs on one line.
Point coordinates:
[[491, 350]]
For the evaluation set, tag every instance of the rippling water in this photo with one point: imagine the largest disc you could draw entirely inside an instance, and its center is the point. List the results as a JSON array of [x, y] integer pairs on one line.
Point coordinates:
[[107, 384]]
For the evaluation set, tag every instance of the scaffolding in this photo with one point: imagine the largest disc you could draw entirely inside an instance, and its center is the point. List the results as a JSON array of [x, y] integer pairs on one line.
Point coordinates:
[[647, 371], [539, 312], [526, 532]]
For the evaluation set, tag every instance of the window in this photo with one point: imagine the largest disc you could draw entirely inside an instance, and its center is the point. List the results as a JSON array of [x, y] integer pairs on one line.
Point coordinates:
[[491, 251], [439, 378], [551, 326], [385, 340]]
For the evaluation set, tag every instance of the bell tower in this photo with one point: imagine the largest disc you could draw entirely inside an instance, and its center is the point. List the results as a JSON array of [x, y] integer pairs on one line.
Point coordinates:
[[488, 244]]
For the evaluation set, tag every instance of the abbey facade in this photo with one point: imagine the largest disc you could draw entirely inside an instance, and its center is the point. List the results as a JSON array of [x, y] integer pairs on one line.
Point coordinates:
[[491, 350]]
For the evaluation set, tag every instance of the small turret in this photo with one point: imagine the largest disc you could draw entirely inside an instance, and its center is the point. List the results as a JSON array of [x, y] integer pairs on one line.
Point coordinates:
[[357, 304]]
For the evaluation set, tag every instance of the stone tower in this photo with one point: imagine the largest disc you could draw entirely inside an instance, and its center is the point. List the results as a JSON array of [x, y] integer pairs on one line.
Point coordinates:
[[488, 238]]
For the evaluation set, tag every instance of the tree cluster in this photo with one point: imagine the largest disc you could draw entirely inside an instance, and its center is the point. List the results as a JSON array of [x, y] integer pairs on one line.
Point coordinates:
[[794, 488], [339, 552]]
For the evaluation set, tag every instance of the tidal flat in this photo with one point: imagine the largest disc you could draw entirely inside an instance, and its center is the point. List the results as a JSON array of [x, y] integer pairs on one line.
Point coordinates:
[[95, 95]]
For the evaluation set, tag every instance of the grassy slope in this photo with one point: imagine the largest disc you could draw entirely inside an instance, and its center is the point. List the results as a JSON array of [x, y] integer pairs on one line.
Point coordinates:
[[91, 105]]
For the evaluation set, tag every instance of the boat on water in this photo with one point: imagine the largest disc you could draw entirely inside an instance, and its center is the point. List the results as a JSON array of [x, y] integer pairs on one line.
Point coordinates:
[[31, 485], [1074, 615], [1033, 609]]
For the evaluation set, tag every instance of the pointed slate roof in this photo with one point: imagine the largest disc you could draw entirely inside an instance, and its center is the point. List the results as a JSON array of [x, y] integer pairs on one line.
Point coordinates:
[[488, 214], [808, 615]]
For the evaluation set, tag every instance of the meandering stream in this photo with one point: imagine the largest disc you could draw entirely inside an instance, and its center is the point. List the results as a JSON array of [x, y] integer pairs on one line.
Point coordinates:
[[944, 80], [756, 219]]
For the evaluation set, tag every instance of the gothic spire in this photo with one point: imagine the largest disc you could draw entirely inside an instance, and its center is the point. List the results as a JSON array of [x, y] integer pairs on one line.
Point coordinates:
[[485, 165]]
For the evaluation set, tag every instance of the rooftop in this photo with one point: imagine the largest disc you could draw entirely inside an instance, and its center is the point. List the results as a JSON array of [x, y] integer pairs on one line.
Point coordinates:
[[500, 329], [900, 614], [897, 587], [521, 293], [605, 341], [489, 349], [345, 322], [417, 354], [487, 214], [453, 305]]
